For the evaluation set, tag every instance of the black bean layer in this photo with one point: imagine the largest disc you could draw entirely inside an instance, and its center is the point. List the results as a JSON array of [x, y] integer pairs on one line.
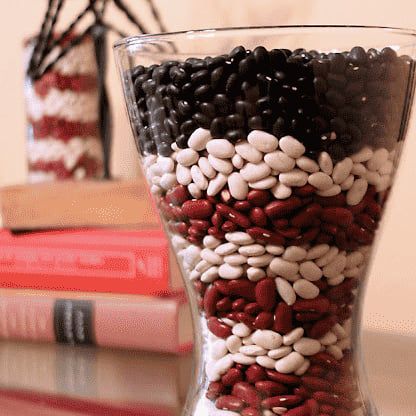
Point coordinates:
[[336, 102]]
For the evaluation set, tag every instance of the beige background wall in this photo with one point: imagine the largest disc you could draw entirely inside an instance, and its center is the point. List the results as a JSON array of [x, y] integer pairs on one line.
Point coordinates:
[[390, 302]]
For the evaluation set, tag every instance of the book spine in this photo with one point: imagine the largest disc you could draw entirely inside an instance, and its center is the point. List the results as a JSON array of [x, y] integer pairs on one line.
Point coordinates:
[[148, 325], [138, 264]]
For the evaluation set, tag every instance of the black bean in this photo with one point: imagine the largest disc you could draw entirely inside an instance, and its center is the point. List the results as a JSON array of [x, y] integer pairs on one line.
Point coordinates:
[[338, 124], [222, 104], [235, 135], [336, 81], [247, 67], [218, 127], [237, 53], [245, 108], [184, 108], [357, 56], [187, 127], [337, 63], [217, 77], [182, 141], [208, 109], [250, 92], [277, 58], [388, 55], [200, 77], [202, 120], [263, 103], [215, 62], [279, 129], [178, 76], [172, 90], [234, 121], [232, 85], [138, 70], [204, 93], [262, 58], [320, 85], [255, 123], [334, 98]]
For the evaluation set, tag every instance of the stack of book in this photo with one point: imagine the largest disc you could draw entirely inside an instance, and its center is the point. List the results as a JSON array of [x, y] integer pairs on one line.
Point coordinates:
[[110, 287]]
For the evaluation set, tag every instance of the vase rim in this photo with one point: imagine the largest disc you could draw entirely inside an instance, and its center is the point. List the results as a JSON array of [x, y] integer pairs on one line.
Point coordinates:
[[200, 33]]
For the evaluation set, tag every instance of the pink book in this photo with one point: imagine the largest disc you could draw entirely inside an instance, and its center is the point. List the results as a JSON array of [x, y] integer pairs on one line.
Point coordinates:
[[160, 324]]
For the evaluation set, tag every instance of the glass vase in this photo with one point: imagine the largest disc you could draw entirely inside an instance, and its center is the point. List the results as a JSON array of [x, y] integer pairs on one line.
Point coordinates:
[[270, 153]]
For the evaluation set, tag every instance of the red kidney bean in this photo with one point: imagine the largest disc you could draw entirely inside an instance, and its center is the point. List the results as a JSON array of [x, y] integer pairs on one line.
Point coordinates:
[[300, 391], [323, 397], [255, 373], [246, 392], [308, 236], [258, 198], [344, 313], [326, 360], [195, 232], [200, 224], [265, 236], [307, 316], [362, 235], [316, 383], [229, 402], [323, 238], [313, 406], [280, 224], [224, 305], [217, 220], [337, 292], [215, 232], [181, 228], [288, 379], [232, 376], [270, 388], [222, 286], [327, 408], [341, 240], [215, 388], [304, 191], [212, 199], [364, 220], [200, 287], [265, 294], [232, 316], [197, 209], [290, 232], [177, 195], [166, 210], [178, 213], [252, 308], [242, 206], [331, 376], [287, 400], [211, 298], [258, 217], [283, 320], [316, 370], [250, 411], [233, 215], [321, 327], [229, 227], [321, 284], [218, 328], [264, 320], [373, 209], [194, 239], [239, 305], [351, 404], [243, 288], [281, 208], [338, 216], [329, 228], [245, 318], [298, 411], [339, 200], [360, 207], [307, 216], [323, 414], [200, 303]]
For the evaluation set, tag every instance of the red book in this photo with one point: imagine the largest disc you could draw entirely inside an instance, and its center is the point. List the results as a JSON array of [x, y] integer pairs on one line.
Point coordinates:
[[117, 261], [160, 324]]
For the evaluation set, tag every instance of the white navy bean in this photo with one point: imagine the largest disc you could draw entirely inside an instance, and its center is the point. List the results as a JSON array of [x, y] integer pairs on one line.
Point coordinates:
[[357, 191], [283, 267], [310, 271], [194, 275], [220, 148], [255, 274], [295, 177], [202, 266], [280, 161], [248, 152], [187, 157], [199, 139], [211, 372], [248, 340], [293, 336], [210, 275], [198, 177], [254, 172], [354, 259], [317, 251], [280, 352], [265, 183], [229, 322], [328, 339], [260, 261], [305, 289], [275, 250], [320, 180], [332, 191], [215, 185], [339, 331], [241, 330], [210, 241], [277, 410], [267, 339], [237, 186], [206, 168], [379, 157], [358, 169], [337, 280], [243, 359], [325, 163], [239, 238], [294, 253], [292, 147], [327, 257], [226, 249], [226, 271], [335, 351], [237, 161], [307, 346], [252, 250], [235, 259], [303, 368], [218, 349], [183, 175], [211, 256], [166, 164], [233, 343], [387, 168], [342, 170], [373, 178], [220, 165], [383, 183], [335, 267], [194, 190], [362, 156], [307, 164], [281, 191], [168, 180], [252, 350], [290, 363], [262, 141], [347, 183], [266, 362], [224, 364], [285, 291]]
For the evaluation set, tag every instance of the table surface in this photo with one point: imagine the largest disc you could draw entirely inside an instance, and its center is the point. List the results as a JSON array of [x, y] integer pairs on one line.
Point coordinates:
[[57, 380]]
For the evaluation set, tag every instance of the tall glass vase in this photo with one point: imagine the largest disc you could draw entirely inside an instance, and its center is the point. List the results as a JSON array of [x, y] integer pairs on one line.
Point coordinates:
[[270, 153]]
